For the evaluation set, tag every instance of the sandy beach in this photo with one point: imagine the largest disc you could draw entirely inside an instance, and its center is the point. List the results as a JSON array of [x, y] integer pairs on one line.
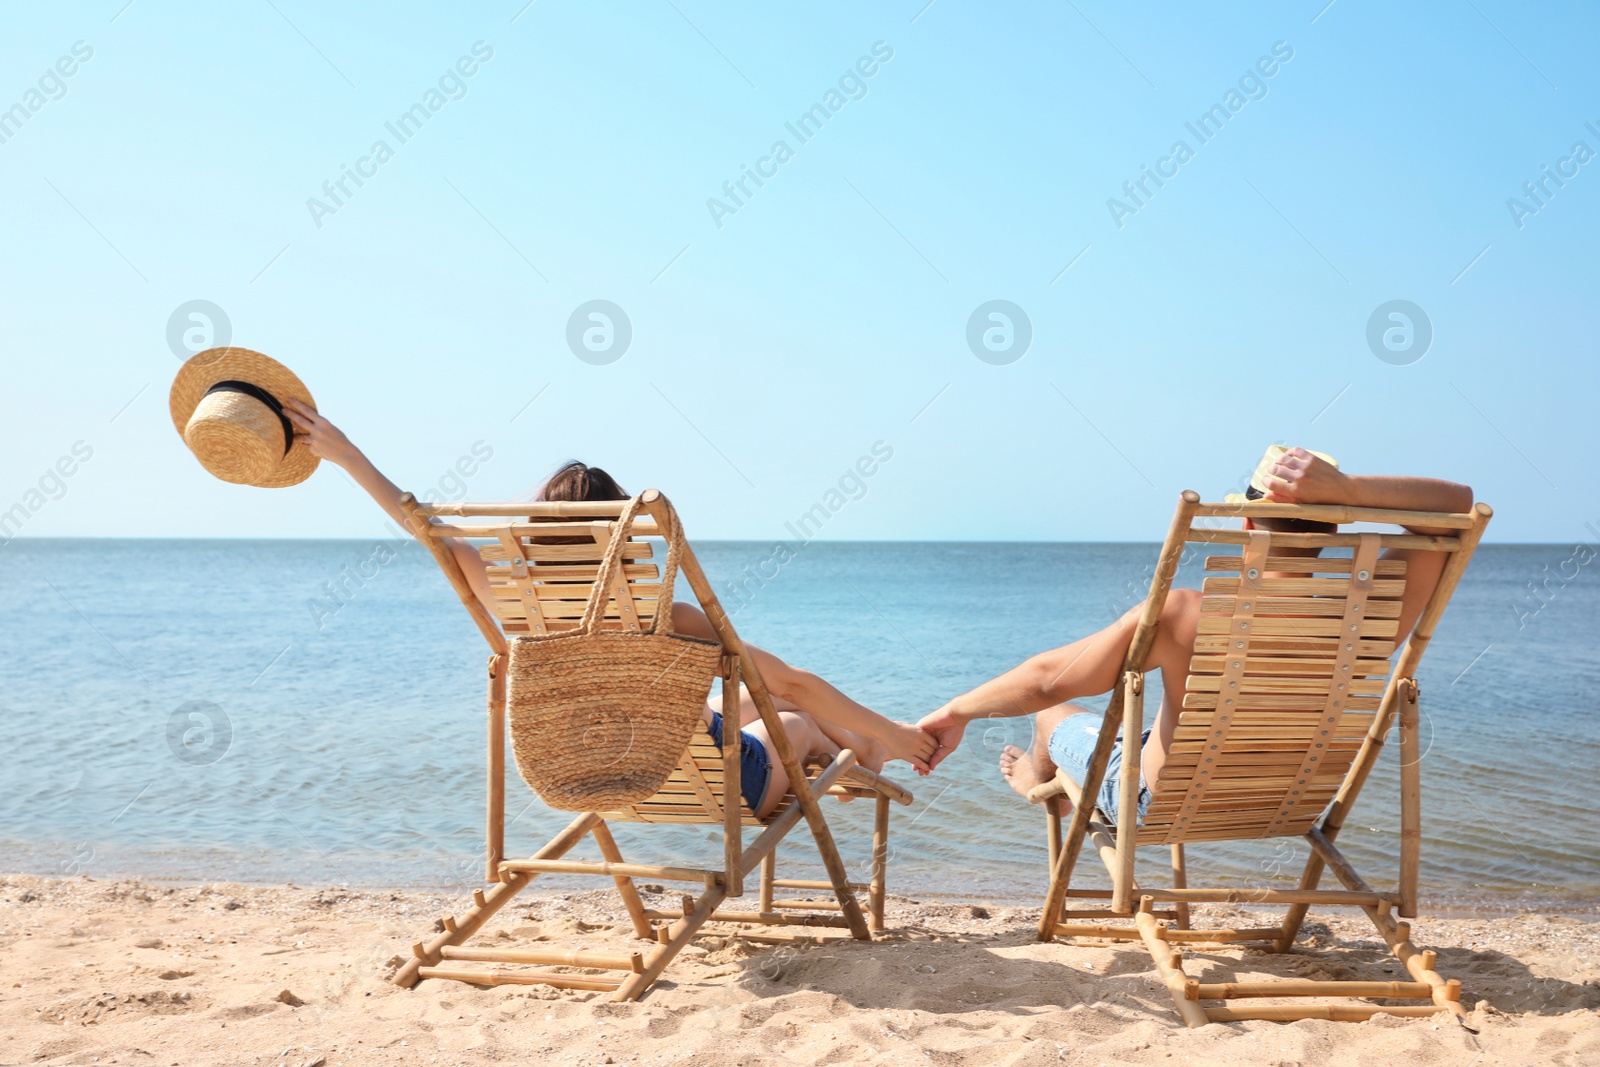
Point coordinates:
[[129, 972]]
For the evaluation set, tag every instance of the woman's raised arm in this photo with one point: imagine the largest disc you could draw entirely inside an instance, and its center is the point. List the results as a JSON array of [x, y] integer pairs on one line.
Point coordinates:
[[328, 441]]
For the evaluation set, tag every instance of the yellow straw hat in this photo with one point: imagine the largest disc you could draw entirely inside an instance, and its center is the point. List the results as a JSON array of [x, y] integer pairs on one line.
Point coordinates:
[[1258, 480], [227, 404]]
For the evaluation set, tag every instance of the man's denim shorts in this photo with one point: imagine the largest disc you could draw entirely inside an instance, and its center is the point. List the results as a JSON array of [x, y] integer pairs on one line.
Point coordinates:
[[1072, 745]]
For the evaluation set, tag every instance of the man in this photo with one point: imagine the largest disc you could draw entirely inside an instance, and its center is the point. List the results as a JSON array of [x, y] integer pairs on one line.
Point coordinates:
[[1046, 684]]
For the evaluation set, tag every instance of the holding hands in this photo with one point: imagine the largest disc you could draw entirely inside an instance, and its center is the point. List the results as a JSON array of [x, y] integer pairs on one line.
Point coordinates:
[[913, 745], [943, 731]]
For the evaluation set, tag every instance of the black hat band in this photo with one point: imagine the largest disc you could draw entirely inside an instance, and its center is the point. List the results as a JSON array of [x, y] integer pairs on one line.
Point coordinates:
[[266, 398]]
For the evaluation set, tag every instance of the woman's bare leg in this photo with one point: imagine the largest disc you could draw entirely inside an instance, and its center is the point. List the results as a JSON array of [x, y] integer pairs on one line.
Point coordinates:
[[1024, 770], [870, 752], [807, 739], [748, 712]]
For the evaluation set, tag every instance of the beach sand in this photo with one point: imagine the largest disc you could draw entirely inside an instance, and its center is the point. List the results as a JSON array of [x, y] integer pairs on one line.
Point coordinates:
[[128, 972]]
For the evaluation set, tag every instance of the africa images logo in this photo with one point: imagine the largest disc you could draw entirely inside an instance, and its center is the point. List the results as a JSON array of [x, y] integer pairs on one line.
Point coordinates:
[[451, 85], [1251, 86], [1399, 332], [852, 85]]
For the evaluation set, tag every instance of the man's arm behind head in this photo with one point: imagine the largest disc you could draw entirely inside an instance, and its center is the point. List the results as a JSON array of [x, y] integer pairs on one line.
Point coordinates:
[[1299, 477]]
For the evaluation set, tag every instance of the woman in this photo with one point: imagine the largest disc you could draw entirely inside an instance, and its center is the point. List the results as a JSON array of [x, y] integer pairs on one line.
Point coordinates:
[[830, 720]]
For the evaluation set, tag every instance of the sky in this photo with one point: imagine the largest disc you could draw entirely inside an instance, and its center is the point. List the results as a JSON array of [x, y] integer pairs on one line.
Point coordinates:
[[1337, 250]]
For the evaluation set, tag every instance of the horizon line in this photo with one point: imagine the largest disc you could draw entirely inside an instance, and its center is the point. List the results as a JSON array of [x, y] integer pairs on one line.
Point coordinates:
[[698, 540]]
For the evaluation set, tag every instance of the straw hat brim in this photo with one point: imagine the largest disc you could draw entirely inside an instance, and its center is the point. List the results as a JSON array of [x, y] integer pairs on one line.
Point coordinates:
[[1259, 476], [205, 369]]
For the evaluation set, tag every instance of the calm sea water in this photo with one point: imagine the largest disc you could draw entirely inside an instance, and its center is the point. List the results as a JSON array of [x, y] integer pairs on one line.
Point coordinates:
[[201, 710]]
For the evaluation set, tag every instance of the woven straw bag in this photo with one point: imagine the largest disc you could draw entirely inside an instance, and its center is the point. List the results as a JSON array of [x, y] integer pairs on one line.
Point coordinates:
[[600, 718]]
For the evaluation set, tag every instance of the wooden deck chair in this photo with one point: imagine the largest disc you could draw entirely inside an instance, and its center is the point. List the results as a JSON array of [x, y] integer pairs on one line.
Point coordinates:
[[544, 587], [1286, 710]]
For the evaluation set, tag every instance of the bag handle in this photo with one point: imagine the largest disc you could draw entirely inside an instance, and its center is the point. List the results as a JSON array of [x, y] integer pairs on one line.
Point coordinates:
[[600, 596]]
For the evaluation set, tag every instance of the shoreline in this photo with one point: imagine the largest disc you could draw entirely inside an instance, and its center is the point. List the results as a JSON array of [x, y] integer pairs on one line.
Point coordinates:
[[1451, 908], [141, 972]]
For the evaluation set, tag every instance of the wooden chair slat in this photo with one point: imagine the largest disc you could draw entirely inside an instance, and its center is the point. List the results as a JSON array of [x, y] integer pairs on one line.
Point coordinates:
[[1295, 606], [593, 528], [1269, 700], [546, 590], [518, 626], [1297, 587], [1262, 644], [1284, 627], [1385, 568], [551, 610], [1277, 683], [566, 572], [566, 555], [1261, 735], [1283, 666], [555, 613]]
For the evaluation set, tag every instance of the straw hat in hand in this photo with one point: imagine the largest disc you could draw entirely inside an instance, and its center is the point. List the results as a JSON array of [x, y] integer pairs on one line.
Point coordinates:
[[227, 404]]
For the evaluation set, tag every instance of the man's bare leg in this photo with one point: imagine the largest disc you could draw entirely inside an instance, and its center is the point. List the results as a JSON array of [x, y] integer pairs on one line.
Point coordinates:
[[1024, 770]]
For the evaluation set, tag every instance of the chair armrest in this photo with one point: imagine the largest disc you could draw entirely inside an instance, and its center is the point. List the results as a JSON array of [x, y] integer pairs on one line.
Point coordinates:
[[877, 783], [1060, 785]]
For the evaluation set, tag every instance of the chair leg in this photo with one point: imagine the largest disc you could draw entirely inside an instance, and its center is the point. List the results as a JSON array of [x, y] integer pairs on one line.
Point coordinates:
[[1170, 963], [1052, 831], [1180, 880], [880, 863], [831, 860], [630, 895], [1058, 893], [769, 871], [1078, 828], [1445, 993], [1310, 878], [1410, 798], [678, 935], [1128, 802], [486, 904]]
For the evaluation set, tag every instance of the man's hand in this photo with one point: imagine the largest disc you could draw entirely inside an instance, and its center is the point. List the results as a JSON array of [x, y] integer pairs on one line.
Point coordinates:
[[945, 729], [1302, 478]]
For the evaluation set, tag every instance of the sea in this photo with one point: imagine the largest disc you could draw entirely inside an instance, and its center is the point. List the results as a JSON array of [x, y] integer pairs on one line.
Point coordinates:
[[312, 712]]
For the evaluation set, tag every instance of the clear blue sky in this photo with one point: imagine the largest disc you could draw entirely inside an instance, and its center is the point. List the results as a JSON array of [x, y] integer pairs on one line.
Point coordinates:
[[1228, 312]]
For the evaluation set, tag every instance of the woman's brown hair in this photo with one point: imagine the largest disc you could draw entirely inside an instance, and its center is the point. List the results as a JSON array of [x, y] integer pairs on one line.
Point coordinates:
[[579, 481], [575, 481]]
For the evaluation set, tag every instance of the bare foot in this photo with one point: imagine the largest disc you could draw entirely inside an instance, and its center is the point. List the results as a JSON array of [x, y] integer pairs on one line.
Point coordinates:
[[1019, 771], [872, 755], [908, 742]]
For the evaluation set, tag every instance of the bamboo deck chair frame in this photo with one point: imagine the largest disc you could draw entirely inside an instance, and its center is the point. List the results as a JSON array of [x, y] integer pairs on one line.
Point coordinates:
[[529, 601], [1293, 669]]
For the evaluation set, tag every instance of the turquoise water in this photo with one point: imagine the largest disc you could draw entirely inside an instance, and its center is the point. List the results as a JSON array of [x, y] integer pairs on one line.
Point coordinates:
[[205, 710]]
